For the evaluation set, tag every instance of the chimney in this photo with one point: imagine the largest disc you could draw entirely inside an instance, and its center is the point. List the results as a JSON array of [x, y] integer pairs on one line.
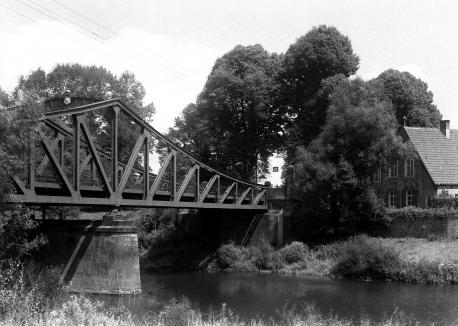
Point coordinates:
[[445, 128]]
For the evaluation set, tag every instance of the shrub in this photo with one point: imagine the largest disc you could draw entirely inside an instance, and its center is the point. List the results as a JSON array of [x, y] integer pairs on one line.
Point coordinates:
[[265, 257], [443, 202], [294, 252], [420, 213], [177, 313], [229, 255], [364, 257]]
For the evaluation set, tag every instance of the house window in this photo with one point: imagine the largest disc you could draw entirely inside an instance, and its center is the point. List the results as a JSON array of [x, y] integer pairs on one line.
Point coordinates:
[[409, 168], [378, 175], [393, 170], [275, 169], [410, 198], [392, 199]]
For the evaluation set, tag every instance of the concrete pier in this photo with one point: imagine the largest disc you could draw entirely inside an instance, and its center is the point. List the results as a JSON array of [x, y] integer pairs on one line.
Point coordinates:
[[104, 254]]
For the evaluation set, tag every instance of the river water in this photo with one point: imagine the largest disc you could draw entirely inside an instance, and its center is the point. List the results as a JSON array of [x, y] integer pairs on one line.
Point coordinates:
[[263, 295]]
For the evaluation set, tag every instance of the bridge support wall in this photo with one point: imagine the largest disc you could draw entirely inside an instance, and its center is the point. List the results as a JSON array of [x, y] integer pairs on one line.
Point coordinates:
[[99, 256]]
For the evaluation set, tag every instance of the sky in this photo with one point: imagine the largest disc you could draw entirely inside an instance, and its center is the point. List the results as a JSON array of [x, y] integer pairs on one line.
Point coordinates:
[[171, 45]]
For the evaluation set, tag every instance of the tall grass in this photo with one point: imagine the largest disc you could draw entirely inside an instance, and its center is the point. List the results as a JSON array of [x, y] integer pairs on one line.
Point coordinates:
[[30, 296], [360, 257]]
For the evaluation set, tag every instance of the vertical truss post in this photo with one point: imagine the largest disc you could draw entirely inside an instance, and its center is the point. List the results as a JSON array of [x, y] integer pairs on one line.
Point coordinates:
[[197, 197], [60, 146], [218, 189], [173, 182], [236, 192], [146, 169], [31, 166], [114, 151], [76, 153]]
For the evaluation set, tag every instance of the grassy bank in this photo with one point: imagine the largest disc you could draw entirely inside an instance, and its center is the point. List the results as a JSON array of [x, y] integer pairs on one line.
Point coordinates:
[[410, 260], [29, 295]]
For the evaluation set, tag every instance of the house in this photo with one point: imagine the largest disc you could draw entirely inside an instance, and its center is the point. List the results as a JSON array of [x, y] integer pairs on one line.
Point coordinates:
[[274, 175], [411, 182]]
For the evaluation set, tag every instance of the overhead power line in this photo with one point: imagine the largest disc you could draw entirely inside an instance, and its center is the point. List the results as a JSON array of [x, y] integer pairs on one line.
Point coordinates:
[[110, 30]]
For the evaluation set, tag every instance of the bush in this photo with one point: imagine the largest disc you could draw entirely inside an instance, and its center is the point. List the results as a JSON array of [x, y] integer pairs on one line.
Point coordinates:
[[443, 202], [177, 313], [364, 257], [420, 213], [265, 257], [228, 255], [294, 252]]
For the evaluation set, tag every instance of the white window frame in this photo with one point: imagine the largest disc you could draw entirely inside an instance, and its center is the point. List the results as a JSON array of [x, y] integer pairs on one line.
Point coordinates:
[[392, 196], [409, 168], [392, 175], [411, 195]]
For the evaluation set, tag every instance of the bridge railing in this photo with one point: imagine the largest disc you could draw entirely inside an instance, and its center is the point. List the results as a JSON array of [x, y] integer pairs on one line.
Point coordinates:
[[75, 161]]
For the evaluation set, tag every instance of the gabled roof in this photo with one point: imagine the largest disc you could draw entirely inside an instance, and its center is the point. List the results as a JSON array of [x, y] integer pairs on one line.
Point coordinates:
[[439, 154]]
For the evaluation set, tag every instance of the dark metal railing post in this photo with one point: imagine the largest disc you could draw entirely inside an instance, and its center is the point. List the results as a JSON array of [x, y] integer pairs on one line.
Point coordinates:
[[146, 169], [114, 151], [76, 153]]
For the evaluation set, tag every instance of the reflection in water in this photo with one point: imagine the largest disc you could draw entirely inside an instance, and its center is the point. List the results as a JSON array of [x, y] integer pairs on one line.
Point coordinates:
[[251, 295]]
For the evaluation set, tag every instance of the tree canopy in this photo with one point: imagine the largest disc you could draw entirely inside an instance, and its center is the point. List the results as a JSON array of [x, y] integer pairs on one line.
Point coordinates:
[[87, 81], [410, 97], [333, 174], [321, 53], [235, 122], [92, 82]]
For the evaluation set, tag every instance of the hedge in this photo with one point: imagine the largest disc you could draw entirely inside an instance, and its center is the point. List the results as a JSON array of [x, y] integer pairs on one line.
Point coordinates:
[[420, 213], [443, 202]]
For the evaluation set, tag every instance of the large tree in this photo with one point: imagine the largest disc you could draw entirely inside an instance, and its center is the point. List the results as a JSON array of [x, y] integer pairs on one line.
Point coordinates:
[[333, 174], [236, 123], [97, 83], [411, 98], [321, 53]]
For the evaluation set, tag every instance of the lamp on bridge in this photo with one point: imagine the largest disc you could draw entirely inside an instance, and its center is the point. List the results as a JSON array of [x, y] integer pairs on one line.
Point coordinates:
[[67, 97]]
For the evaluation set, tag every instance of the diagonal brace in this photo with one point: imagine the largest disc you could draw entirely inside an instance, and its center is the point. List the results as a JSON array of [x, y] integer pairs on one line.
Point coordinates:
[[56, 165], [160, 175], [226, 193], [132, 159], [243, 196], [208, 188], [186, 181], [94, 154]]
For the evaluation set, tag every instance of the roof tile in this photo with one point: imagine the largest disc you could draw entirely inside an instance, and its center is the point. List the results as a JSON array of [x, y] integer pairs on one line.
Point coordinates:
[[439, 154]]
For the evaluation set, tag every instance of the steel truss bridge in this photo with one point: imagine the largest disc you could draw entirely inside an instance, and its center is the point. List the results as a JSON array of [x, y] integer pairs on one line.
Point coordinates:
[[67, 165]]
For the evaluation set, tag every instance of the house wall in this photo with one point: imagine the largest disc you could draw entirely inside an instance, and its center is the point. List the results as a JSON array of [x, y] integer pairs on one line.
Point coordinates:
[[421, 184]]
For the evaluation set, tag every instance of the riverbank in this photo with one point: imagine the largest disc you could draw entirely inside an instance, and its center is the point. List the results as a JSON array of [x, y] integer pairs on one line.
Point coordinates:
[[360, 257], [43, 303]]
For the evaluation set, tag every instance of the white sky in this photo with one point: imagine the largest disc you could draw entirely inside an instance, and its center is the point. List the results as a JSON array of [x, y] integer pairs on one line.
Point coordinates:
[[172, 45]]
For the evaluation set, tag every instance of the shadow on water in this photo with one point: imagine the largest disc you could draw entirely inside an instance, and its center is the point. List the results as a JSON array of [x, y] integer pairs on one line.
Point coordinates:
[[263, 295]]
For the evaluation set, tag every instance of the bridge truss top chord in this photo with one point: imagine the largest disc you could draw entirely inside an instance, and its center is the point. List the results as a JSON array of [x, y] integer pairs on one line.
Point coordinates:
[[75, 161]]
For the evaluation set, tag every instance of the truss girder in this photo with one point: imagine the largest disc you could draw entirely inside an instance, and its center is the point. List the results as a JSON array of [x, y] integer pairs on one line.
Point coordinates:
[[130, 184]]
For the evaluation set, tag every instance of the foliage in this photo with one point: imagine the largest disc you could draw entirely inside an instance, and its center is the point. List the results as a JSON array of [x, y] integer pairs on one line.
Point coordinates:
[[443, 202], [235, 122], [18, 130], [410, 98], [333, 184], [413, 213], [321, 53], [20, 236], [87, 81], [265, 257], [363, 257], [156, 227], [5, 100], [96, 83], [294, 252]]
